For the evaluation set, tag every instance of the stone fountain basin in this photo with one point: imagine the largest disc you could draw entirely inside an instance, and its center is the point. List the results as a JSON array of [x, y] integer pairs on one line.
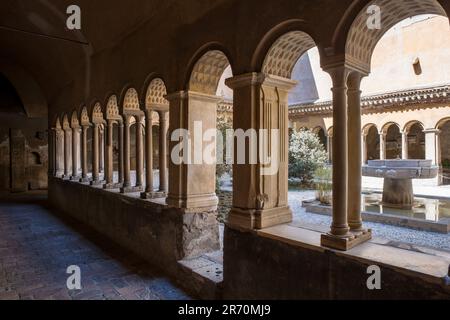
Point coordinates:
[[401, 169]]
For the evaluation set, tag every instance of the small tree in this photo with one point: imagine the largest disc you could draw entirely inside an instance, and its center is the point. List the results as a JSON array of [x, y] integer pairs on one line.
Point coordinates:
[[306, 154]]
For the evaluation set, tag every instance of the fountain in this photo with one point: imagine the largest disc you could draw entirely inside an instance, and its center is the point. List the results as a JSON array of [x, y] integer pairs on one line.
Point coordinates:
[[398, 175]]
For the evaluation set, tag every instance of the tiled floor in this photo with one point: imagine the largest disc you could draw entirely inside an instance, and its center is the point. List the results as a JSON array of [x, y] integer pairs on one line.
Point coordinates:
[[37, 246]]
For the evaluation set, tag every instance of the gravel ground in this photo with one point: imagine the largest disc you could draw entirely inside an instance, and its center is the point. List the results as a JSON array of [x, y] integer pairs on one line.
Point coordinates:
[[392, 233]]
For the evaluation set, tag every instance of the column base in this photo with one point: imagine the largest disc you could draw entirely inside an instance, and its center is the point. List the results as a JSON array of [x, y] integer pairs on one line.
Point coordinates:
[[85, 180], [109, 186], [97, 183], [346, 243], [153, 195], [131, 189], [193, 201], [75, 178], [65, 177], [258, 219]]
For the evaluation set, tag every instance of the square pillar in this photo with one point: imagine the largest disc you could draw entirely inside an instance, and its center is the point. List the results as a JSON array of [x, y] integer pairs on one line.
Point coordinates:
[[192, 182], [260, 188]]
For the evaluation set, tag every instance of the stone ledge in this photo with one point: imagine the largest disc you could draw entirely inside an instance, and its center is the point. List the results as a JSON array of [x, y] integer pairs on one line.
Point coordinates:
[[429, 267]]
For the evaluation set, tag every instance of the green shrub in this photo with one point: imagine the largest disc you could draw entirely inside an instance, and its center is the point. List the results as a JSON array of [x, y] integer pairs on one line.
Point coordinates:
[[306, 155]]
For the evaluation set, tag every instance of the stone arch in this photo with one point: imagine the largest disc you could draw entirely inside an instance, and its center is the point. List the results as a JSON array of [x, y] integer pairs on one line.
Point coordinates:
[[97, 114], [360, 43], [74, 122], [130, 103], [66, 122], [367, 127], [284, 53], [112, 111], [442, 122], [412, 123], [84, 117], [207, 71], [155, 94], [385, 127]]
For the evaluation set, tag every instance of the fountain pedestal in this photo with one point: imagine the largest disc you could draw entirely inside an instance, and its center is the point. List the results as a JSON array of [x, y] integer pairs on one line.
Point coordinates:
[[398, 175]]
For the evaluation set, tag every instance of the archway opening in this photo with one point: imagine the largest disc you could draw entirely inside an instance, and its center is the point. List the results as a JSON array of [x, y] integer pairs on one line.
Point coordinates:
[[393, 142], [373, 143], [416, 142]]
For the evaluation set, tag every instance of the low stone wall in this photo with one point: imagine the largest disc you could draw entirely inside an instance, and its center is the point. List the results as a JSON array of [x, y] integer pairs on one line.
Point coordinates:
[[256, 267], [160, 234]]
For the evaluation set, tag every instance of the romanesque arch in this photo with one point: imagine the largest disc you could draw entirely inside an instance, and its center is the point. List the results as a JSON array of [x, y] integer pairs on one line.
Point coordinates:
[[390, 141], [371, 142], [360, 43]]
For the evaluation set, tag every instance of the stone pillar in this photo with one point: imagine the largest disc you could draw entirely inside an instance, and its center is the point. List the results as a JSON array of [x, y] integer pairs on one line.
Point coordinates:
[[188, 109], [163, 129], [382, 146], [126, 155], [95, 155], [75, 153], [439, 158], [354, 152], [59, 161], [431, 147], [260, 187], [139, 153], [405, 145], [67, 153], [121, 153], [101, 150], [364, 148], [148, 152], [84, 158], [109, 160]]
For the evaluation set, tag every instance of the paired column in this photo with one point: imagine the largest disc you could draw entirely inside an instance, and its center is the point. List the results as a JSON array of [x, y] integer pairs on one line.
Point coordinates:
[[357, 147], [95, 154], [163, 129], [364, 148], [84, 157], [346, 162], [139, 153], [60, 153], [109, 159], [75, 153], [121, 153], [101, 150], [126, 155], [260, 185], [67, 152], [382, 146], [431, 145], [405, 145]]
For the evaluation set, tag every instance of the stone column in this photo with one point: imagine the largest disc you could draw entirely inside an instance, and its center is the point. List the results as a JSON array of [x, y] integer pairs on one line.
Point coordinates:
[[354, 152], [109, 160], [163, 129], [59, 143], [121, 153], [84, 159], [75, 153], [364, 148], [67, 153], [260, 187], [148, 152], [101, 150], [188, 109], [339, 234], [139, 153], [126, 156], [382, 146], [430, 145], [405, 145], [439, 158], [95, 155]]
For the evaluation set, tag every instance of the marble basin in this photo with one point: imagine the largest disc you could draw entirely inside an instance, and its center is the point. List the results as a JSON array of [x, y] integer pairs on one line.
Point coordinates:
[[398, 176]]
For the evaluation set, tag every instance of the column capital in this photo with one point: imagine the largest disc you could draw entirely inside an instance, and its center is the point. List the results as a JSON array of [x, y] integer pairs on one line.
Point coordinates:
[[245, 80], [432, 130]]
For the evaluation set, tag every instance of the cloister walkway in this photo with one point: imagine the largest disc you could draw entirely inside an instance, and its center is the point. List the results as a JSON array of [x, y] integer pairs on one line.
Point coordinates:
[[37, 245]]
